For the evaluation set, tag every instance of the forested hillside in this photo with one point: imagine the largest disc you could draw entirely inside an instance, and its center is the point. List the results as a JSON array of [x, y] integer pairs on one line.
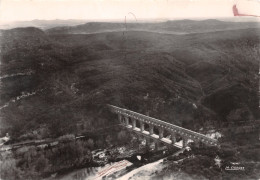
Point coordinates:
[[53, 81]]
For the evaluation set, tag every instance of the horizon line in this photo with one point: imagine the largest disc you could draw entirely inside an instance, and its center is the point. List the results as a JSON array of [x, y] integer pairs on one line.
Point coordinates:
[[139, 19]]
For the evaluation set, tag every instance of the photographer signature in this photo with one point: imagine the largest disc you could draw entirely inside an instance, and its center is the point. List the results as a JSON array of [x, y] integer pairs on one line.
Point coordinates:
[[235, 168]]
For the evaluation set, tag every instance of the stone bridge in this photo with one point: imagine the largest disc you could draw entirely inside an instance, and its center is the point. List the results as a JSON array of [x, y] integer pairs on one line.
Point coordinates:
[[159, 131]]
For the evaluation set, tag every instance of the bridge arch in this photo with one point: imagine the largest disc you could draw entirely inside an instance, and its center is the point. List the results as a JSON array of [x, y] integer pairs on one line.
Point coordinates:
[[158, 130]]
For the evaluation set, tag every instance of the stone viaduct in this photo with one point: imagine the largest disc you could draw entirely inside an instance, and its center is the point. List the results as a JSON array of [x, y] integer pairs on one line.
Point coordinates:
[[145, 126]]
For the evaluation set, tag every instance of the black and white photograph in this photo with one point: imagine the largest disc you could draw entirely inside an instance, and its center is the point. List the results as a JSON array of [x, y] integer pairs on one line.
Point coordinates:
[[129, 90]]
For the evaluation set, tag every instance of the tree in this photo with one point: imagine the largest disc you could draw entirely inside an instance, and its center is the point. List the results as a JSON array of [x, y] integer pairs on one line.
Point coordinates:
[[122, 137], [8, 170], [67, 137], [41, 164], [108, 139], [90, 143], [100, 143]]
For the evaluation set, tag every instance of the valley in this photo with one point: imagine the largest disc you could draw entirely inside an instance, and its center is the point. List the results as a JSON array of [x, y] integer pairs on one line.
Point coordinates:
[[200, 75]]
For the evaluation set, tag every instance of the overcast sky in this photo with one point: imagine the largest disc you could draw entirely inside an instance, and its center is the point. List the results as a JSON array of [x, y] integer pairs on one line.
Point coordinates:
[[23, 10]]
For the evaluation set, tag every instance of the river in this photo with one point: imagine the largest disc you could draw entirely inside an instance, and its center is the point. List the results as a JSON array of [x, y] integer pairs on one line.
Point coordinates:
[[138, 168], [110, 171], [118, 170]]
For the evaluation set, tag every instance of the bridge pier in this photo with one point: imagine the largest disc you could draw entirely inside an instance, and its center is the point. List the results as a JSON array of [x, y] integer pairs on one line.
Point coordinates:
[[156, 145], [161, 130], [173, 137], [170, 148], [136, 140], [133, 123], [141, 126], [139, 139], [150, 129], [184, 142], [120, 118], [127, 121], [147, 143]]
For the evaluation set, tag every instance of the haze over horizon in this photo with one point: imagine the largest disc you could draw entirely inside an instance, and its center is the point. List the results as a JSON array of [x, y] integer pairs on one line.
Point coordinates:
[[107, 10]]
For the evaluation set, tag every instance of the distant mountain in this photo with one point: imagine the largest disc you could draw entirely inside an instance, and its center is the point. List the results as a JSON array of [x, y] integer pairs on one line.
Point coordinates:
[[43, 24], [172, 27]]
